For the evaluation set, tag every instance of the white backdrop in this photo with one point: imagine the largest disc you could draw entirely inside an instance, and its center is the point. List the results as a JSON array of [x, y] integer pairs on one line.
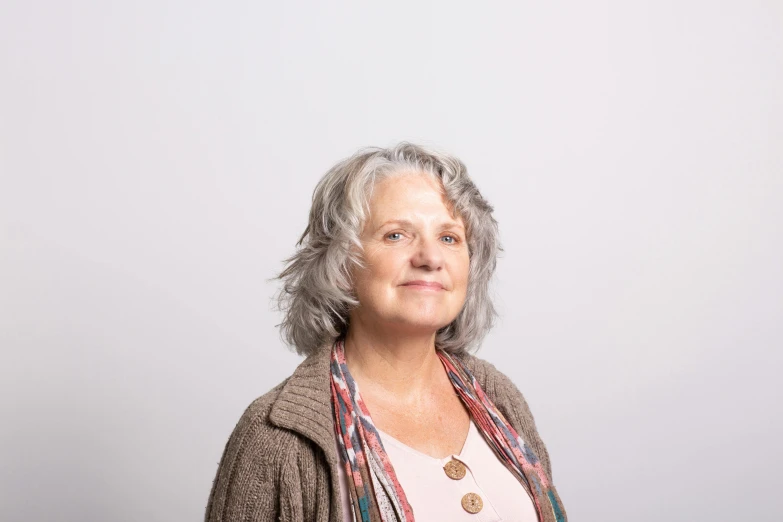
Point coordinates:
[[157, 160]]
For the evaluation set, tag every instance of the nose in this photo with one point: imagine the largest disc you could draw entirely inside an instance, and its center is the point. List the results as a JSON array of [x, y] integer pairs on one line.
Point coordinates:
[[428, 254]]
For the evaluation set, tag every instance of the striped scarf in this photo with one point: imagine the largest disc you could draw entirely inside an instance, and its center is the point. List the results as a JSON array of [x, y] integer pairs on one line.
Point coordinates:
[[376, 493]]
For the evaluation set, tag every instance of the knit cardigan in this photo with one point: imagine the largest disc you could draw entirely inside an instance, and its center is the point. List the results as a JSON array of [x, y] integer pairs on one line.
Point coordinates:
[[280, 461]]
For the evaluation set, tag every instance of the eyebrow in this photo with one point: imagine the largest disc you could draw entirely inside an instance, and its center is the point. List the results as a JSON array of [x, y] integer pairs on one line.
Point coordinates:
[[444, 225]]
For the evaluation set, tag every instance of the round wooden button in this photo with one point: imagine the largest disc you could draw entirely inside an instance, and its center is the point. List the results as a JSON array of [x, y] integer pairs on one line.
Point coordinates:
[[454, 469], [472, 503]]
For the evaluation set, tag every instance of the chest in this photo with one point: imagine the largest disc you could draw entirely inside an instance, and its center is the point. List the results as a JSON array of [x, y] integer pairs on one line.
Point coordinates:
[[484, 491], [436, 425]]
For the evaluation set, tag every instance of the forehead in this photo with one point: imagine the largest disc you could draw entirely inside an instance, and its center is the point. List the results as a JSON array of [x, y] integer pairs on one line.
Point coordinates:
[[410, 197]]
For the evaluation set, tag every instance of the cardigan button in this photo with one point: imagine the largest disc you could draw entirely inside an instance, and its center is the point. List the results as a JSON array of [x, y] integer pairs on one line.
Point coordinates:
[[472, 503], [455, 469]]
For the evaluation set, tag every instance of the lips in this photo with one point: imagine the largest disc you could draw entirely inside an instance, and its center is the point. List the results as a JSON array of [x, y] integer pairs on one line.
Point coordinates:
[[424, 284]]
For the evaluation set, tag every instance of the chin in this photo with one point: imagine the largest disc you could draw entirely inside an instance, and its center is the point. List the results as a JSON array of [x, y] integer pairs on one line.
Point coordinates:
[[422, 324]]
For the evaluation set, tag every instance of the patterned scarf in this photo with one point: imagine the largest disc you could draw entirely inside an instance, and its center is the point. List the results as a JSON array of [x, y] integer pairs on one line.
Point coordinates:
[[377, 495]]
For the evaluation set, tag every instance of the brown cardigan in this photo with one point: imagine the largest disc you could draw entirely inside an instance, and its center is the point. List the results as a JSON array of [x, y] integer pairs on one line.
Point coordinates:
[[280, 462]]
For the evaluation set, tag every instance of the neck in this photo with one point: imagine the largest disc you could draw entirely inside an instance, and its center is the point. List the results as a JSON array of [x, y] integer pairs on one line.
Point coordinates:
[[401, 363]]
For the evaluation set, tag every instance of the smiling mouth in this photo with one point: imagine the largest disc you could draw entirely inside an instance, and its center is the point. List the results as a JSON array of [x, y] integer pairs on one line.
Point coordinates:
[[432, 288]]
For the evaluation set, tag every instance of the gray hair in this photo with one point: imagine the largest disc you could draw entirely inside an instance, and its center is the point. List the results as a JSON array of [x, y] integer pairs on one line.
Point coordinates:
[[317, 293]]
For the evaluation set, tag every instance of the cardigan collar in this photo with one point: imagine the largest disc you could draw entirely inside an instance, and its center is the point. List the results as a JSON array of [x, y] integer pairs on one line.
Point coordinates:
[[304, 404]]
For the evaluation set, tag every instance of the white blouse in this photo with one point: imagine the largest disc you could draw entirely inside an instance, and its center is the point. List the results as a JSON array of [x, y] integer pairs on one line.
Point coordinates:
[[488, 490]]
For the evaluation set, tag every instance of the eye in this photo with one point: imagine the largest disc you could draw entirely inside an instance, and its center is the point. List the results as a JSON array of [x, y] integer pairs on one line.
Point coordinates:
[[393, 234], [454, 240]]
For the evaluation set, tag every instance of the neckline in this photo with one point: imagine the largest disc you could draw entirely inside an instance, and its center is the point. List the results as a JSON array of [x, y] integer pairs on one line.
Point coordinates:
[[401, 445]]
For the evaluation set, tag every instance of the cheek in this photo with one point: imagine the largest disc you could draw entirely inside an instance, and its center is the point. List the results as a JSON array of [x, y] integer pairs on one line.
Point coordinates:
[[374, 280], [462, 272], [384, 266]]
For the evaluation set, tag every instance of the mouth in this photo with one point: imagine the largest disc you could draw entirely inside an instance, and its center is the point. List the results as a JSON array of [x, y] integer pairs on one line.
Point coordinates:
[[431, 286]]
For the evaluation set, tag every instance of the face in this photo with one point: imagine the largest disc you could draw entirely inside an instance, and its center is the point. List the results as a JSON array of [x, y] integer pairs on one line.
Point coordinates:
[[409, 236]]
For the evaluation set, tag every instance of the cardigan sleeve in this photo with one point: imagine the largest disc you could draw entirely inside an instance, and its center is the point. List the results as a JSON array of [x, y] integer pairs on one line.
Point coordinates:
[[247, 479]]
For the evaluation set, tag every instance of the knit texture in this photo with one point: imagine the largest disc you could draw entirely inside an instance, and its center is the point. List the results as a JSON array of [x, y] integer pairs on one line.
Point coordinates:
[[280, 461]]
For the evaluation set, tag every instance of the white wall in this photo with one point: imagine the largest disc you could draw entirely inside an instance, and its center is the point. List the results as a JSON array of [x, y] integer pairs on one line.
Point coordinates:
[[157, 161]]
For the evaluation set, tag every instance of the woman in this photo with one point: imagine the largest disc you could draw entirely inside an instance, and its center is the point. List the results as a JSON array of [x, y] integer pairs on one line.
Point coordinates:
[[387, 294]]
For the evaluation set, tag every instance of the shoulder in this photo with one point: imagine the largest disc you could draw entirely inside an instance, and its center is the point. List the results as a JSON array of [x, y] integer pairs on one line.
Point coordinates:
[[255, 436], [251, 464], [257, 412], [494, 382]]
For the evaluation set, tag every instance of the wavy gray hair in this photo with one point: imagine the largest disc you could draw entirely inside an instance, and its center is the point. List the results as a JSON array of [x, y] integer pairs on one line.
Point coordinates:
[[317, 294]]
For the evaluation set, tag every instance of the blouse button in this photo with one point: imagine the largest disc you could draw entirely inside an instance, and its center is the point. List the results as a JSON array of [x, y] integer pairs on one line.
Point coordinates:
[[472, 503], [454, 469]]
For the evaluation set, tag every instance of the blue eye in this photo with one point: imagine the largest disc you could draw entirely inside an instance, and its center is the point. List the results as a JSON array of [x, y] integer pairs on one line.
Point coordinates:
[[453, 238], [394, 234]]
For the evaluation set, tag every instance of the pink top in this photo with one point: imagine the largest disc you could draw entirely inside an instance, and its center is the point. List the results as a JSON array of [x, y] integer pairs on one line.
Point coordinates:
[[435, 497]]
